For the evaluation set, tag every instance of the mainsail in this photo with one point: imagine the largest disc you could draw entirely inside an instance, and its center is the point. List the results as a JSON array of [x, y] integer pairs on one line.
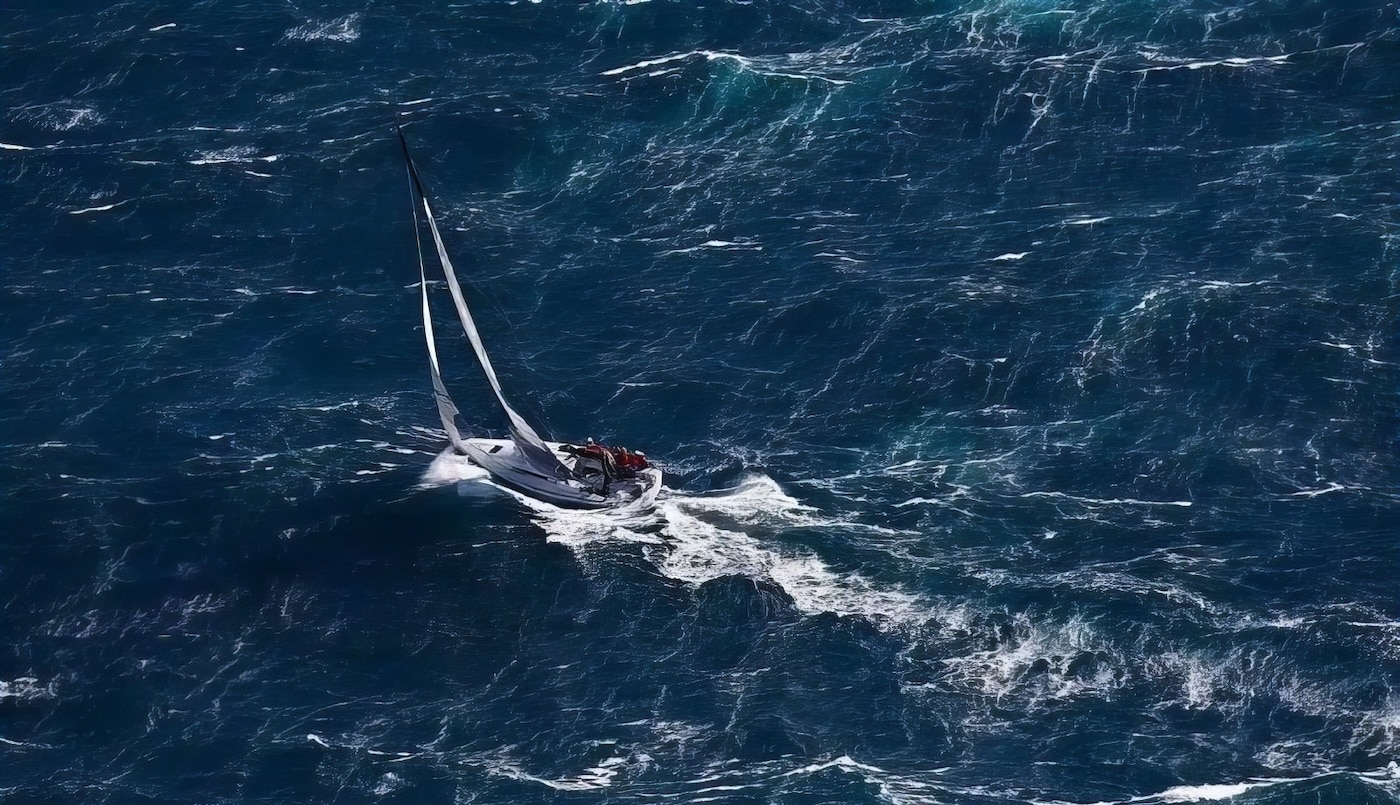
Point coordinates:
[[527, 441]]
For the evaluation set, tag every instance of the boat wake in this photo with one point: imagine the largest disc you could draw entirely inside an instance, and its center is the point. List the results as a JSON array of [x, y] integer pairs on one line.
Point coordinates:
[[451, 467], [692, 539], [742, 531]]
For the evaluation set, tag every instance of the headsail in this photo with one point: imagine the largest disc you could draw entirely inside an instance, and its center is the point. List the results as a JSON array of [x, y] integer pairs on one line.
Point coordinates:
[[526, 439], [447, 409]]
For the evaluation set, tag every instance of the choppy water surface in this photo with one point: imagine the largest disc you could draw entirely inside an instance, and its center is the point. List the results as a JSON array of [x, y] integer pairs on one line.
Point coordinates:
[[1025, 374]]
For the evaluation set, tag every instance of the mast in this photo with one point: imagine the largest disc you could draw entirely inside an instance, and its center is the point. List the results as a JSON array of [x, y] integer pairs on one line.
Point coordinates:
[[527, 441]]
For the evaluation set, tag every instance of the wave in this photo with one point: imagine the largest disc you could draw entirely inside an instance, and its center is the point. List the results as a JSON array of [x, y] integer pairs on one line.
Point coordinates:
[[234, 154], [102, 208], [791, 65], [343, 29], [26, 689]]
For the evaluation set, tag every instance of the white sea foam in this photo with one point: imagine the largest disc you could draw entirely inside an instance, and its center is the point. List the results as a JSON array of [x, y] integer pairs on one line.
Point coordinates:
[[1226, 682], [234, 154], [344, 29], [1108, 501], [66, 118], [1009, 256], [579, 529], [1035, 660], [716, 244], [1223, 284], [1234, 61], [1332, 486], [1200, 677], [843, 762], [1215, 792], [103, 208], [646, 63], [592, 778], [1379, 730], [894, 788], [782, 66], [700, 551], [450, 468], [1206, 793], [388, 783], [25, 688], [704, 537]]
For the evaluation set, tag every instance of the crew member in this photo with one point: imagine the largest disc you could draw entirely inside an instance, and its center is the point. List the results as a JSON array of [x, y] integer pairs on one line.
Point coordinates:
[[593, 451], [629, 463]]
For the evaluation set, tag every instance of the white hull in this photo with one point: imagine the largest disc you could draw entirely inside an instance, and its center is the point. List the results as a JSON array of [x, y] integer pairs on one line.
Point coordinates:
[[509, 468]]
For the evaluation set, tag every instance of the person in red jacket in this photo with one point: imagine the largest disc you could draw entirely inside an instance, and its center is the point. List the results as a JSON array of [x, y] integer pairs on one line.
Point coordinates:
[[615, 462], [591, 451], [629, 463]]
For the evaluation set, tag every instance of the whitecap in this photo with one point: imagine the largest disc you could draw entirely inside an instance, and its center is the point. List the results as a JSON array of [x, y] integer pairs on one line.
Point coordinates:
[[1233, 61], [25, 688], [103, 208], [590, 779], [1203, 793], [344, 29], [645, 63], [644, 67], [716, 244], [843, 762], [1109, 501], [1332, 486], [1010, 666], [234, 154], [76, 117], [451, 467]]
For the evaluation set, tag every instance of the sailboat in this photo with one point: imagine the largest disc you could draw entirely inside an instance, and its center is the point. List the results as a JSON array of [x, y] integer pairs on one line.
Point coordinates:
[[588, 476]]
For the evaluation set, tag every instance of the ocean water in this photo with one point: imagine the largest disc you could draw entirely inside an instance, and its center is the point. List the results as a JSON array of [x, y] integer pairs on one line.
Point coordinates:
[[1026, 375]]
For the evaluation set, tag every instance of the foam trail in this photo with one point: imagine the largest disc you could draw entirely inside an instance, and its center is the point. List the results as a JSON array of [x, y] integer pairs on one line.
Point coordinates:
[[579, 528], [701, 551], [687, 547]]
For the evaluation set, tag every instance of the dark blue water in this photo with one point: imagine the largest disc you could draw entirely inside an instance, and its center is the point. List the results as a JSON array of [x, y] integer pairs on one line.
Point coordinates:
[[1027, 377]]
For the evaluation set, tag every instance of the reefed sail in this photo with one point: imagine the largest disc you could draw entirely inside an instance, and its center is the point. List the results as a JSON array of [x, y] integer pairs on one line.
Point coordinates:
[[527, 441]]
